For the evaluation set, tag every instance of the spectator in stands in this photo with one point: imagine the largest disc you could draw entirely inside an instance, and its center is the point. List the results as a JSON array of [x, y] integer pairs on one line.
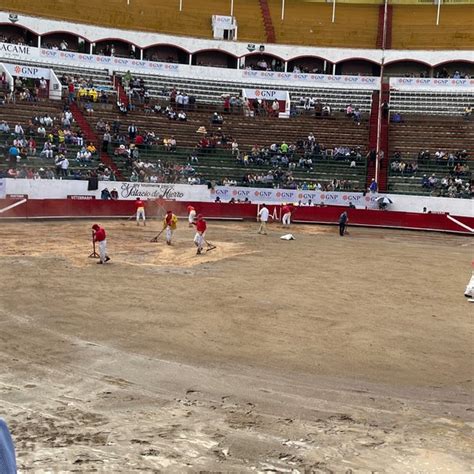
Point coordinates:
[[326, 111], [467, 113], [373, 188], [13, 153], [217, 119], [132, 131], [114, 194], [83, 155], [4, 127], [105, 194], [19, 130], [88, 107], [182, 117], [32, 146], [47, 151], [357, 116]]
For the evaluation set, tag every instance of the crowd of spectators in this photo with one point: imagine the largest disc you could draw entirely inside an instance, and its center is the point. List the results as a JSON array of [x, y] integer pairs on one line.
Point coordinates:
[[300, 155], [262, 64], [456, 179], [51, 141], [440, 74]]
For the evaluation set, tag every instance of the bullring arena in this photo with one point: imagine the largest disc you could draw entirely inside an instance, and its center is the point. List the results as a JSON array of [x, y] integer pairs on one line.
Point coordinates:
[[220, 337], [322, 354]]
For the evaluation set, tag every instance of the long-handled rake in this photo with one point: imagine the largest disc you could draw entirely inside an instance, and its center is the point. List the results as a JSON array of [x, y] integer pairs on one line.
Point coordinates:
[[210, 246], [94, 254], [155, 239]]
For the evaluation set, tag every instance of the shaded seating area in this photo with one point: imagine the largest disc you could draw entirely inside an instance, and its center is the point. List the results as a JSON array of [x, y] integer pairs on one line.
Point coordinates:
[[430, 147]]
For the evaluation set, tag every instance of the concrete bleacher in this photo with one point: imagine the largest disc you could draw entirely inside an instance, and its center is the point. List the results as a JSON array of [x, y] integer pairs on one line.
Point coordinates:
[[211, 92], [448, 134], [430, 102], [220, 164], [309, 23], [247, 131], [262, 131], [414, 27]]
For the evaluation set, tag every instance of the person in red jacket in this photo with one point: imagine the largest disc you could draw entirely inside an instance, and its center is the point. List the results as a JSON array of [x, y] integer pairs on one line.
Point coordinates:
[[140, 206], [200, 236], [99, 236], [286, 212]]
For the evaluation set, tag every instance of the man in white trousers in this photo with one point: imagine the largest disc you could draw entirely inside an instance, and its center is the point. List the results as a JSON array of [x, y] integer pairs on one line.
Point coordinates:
[[191, 215], [263, 215], [170, 223], [286, 215], [140, 206], [200, 236], [99, 236]]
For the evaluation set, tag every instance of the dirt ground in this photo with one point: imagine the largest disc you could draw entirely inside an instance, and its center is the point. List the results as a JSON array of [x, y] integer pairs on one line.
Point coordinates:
[[322, 354]]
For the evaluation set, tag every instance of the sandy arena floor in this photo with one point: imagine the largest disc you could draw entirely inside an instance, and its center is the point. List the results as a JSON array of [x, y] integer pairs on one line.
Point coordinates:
[[324, 354]]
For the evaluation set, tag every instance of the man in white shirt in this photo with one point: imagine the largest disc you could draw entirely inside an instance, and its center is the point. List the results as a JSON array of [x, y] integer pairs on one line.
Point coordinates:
[[64, 166], [263, 216]]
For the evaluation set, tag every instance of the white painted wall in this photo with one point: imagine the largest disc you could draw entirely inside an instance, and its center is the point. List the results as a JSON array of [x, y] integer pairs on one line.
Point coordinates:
[[60, 189]]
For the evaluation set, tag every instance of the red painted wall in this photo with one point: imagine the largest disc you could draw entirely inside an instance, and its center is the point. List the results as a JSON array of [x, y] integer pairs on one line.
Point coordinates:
[[72, 208]]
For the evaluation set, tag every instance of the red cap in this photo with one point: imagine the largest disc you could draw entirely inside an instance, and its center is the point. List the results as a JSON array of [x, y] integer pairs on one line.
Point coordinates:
[[96, 226]]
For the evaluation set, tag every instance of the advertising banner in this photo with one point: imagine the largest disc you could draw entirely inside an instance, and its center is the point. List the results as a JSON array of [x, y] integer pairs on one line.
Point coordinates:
[[265, 94], [20, 70], [421, 83]]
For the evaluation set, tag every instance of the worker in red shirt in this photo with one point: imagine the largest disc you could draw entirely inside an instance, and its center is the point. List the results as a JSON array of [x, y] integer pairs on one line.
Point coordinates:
[[140, 206], [170, 223], [200, 236], [286, 212], [99, 236]]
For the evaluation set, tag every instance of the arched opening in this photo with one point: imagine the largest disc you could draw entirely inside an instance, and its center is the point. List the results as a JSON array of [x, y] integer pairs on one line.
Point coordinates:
[[17, 34], [64, 41], [407, 68], [116, 47], [166, 53], [454, 69], [262, 62], [214, 58], [357, 67], [309, 64]]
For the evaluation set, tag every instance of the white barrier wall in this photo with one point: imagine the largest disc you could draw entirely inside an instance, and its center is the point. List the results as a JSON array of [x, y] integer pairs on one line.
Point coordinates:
[[60, 189]]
